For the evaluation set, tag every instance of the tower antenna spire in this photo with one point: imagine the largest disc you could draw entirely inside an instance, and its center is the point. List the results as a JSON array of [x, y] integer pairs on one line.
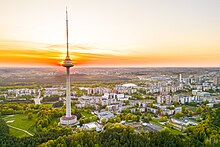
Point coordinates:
[[67, 35]]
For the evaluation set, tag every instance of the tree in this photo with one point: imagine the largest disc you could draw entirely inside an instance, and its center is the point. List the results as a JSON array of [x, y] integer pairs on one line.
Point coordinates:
[[149, 117], [126, 102], [126, 118], [103, 121], [206, 102], [118, 119], [190, 113], [199, 110], [81, 121], [150, 105], [111, 120], [176, 103], [142, 131], [93, 118], [134, 118], [178, 115], [159, 110], [163, 119], [106, 108], [30, 115], [184, 109], [138, 118], [198, 119], [4, 129]]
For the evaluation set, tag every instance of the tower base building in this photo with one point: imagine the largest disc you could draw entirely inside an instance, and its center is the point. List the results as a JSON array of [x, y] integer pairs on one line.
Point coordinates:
[[68, 120]]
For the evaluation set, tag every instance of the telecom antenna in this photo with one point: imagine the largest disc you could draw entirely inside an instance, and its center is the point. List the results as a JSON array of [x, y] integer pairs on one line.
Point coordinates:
[[68, 119]]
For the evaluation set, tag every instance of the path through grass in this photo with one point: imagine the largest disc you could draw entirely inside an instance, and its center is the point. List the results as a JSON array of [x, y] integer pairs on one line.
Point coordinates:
[[22, 122]]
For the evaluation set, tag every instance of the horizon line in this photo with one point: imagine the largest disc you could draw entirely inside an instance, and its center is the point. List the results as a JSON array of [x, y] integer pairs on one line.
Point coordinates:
[[112, 66]]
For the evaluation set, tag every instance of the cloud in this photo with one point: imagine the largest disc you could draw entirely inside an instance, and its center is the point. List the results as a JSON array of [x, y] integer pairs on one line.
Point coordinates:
[[22, 52], [91, 49], [33, 53]]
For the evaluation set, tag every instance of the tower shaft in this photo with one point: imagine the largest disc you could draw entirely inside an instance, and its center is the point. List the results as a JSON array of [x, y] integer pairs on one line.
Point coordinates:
[[68, 100]]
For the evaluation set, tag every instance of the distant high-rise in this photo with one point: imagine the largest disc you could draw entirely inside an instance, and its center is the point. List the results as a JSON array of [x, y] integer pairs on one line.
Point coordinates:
[[180, 78], [217, 80], [68, 119]]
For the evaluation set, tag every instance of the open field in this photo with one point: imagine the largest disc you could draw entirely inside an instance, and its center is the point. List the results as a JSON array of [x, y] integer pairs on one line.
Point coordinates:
[[20, 121], [173, 131], [86, 114], [17, 133]]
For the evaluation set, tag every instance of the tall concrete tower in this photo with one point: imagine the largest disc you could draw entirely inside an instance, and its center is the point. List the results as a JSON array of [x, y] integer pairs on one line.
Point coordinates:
[[68, 119]]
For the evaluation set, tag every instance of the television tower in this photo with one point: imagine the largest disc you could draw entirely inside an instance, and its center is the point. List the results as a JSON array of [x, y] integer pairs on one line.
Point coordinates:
[[68, 119]]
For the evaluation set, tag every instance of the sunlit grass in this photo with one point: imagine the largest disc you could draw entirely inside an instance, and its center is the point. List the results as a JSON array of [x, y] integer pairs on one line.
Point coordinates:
[[21, 121], [86, 114], [17, 133]]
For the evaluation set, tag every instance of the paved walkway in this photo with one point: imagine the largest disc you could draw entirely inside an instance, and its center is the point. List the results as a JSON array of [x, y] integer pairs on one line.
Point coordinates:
[[8, 116], [38, 99], [20, 130]]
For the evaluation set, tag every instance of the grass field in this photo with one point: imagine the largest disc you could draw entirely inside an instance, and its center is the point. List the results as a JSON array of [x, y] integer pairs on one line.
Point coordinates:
[[86, 114], [173, 131], [17, 133], [20, 121]]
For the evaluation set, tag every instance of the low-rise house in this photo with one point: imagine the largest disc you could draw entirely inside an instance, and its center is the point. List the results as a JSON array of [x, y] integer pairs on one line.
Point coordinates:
[[133, 110], [113, 107], [92, 126], [188, 99], [184, 122], [142, 109], [81, 105], [179, 122], [105, 115], [153, 110], [178, 109], [121, 108], [210, 105], [167, 111]]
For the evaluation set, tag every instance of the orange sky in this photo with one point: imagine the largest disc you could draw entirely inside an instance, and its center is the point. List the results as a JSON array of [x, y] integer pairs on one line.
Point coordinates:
[[111, 33]]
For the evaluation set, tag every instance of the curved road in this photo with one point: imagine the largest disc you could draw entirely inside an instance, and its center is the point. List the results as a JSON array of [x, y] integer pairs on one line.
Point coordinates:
[[20, 130]]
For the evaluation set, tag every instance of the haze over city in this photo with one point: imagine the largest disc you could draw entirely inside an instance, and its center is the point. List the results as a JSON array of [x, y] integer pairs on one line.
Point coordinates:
[[109, 73], [111, 33]]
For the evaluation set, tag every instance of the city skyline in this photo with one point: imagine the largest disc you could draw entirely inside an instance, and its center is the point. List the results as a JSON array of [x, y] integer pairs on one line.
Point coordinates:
[[111, 33]]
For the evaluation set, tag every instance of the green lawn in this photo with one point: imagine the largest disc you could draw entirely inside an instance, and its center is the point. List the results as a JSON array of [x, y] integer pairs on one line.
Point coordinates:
[[174, 131], [21, 121], [86, 114], [156, 121], [17, 133]]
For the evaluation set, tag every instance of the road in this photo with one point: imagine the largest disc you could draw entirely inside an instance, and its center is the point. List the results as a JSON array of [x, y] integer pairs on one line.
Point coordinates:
[[38, 99]]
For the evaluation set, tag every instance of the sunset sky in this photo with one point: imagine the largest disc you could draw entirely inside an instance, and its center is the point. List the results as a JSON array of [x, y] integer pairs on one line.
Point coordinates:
[[151, 33]]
